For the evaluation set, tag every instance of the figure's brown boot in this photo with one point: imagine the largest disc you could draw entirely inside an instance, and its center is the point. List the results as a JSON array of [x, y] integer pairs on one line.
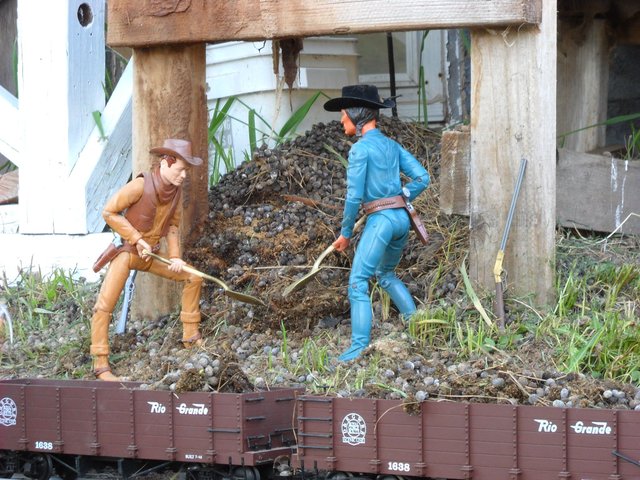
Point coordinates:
[[102, 369], [191, 336], [100, 346]]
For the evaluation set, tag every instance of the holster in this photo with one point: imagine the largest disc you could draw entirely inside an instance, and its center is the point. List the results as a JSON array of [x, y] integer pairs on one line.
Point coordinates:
[[399, 201], [416, 223], [105, 257]]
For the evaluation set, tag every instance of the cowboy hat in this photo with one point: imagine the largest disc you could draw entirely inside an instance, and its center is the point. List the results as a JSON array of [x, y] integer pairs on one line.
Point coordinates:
[[358, 96], [175, 147]]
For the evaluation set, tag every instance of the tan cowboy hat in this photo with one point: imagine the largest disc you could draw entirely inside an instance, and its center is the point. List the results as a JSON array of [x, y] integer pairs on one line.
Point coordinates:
[[179, 149]]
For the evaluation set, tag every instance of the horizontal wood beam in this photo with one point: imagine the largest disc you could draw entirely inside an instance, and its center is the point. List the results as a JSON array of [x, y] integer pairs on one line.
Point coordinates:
[[163, 22]]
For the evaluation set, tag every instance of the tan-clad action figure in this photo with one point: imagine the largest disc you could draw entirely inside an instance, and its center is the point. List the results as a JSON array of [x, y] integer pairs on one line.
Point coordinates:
[[142, 212]]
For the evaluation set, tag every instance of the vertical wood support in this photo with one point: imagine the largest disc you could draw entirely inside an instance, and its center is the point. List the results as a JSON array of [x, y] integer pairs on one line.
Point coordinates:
[[169, 101], [583, 76], [513, 111], [59, 83]]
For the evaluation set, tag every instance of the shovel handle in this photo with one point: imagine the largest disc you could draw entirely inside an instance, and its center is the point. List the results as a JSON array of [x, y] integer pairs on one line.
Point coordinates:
[[188, 268], [331, 248]]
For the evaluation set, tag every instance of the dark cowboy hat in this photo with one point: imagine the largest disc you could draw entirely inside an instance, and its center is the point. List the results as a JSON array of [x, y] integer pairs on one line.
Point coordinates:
[[175, 147], [358, 96]]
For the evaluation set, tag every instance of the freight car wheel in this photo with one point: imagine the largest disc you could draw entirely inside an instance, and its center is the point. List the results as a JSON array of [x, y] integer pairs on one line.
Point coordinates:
[[8, 463], [339, 475], [245, 473], [38, 467]]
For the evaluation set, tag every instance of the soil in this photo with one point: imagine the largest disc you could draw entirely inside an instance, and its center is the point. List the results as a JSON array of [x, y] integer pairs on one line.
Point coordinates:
[[269, 220]]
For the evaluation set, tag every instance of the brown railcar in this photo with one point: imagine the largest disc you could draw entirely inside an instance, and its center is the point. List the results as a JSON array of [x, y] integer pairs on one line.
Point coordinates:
[[378, 438], [69, 421], [71, 428]]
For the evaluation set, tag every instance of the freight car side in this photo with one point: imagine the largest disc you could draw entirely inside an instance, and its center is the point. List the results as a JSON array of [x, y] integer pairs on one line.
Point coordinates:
[[371, 437], [62, 421]]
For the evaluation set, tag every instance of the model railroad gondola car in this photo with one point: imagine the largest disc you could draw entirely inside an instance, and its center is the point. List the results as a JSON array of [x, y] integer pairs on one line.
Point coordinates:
[[71, 428], [455, 440]]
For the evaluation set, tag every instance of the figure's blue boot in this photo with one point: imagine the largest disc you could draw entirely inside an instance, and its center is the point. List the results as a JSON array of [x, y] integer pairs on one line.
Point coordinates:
[[399, 294], [360, 331]]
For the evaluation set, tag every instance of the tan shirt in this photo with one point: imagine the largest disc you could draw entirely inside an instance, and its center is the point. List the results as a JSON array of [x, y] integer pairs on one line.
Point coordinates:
[[127, 196]]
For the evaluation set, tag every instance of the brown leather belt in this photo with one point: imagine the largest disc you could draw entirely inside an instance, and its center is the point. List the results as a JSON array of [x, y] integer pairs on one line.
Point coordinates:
[[383, 204]]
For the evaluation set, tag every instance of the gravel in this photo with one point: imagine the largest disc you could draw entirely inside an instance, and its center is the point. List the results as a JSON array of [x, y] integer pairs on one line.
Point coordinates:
[[269, 220]]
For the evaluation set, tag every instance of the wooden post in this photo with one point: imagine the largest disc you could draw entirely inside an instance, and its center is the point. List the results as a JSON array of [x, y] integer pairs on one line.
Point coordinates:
[[513, 109], [583, 75], [59, 84], [169, 102]]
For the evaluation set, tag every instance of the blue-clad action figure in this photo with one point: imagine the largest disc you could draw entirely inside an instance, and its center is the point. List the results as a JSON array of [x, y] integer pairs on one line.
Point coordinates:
[[373, 181]]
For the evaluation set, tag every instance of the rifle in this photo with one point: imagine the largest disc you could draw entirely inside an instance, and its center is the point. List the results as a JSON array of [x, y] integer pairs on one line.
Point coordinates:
[[497, 268], [129, 287]]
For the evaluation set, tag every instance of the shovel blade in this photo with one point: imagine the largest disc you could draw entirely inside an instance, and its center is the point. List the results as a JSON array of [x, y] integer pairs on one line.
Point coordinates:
[[243, 297], [301, 282]]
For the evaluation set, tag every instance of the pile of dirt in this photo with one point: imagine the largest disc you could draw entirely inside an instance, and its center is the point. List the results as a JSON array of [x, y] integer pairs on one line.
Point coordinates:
[[269, 220]]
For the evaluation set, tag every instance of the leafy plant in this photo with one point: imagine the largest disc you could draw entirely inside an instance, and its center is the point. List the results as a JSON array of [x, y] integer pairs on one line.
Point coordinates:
[[632, 144], [610, 121], [422, 86], [223, 156]]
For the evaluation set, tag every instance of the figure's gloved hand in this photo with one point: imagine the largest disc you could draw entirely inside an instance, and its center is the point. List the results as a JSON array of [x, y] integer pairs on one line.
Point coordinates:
[[141, 246], [176, 265], [341, 244]]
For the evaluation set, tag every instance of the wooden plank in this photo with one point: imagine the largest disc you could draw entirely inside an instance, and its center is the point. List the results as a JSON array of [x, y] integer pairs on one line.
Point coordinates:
[[169, 102], [56, 114], [513, 105], [104, 165], [160, 22], [9, 127], [9, 187], [454, 171], [598, 192], [583, 75]]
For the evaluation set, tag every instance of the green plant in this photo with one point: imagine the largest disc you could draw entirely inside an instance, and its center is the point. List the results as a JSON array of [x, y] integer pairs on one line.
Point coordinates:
[[224, 155], [97, 118], [284, 348], [422, 87], [610, 121], [221, 156], [632, 144]]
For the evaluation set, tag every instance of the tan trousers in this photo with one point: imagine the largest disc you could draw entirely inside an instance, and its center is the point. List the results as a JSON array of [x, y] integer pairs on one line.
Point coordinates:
[[113, 284]]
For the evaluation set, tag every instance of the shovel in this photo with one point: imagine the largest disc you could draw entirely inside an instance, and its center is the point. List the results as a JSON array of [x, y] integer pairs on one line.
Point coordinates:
[[241, 297], [301, 282]]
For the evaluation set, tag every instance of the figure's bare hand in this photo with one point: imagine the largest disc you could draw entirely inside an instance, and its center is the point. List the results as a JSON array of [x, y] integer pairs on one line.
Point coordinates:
[[141, 246], [176, 265], [341, 244]]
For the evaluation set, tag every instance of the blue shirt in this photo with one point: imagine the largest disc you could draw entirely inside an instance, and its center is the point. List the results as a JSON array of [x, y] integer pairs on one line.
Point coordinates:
[[375, 164]]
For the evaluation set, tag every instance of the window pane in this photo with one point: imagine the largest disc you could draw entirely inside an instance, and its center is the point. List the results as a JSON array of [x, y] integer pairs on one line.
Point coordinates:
[[373, 59]]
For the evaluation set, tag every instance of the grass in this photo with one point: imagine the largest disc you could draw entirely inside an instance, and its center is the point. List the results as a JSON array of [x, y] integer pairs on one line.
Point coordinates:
[[593, 327]]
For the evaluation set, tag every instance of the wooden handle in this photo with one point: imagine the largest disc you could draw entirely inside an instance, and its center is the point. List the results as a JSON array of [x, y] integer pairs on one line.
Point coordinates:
[[187, 268]]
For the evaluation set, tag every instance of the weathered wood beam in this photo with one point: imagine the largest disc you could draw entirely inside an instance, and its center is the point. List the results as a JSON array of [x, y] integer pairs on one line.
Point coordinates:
[[454, 173], [598, 192], [593, 192], [513, 115], [169, 101], [583, 81], [161, 22]]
